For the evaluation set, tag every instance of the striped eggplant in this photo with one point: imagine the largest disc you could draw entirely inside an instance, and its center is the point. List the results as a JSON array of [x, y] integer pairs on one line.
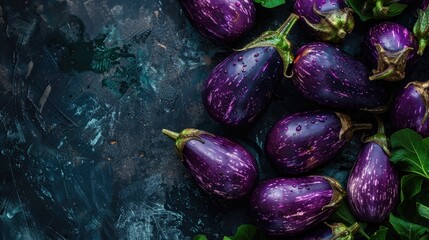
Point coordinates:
[[224, 21], [219, 166], [421, 27], [325, 74], [300, 142], [391, 48], [334, 231], [411, 108], [327, 20], [373, 184], [241, 86], [288, 206]]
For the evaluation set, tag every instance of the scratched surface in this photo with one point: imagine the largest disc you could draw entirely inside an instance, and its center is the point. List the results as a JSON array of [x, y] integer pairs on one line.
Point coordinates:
[[85, 88]]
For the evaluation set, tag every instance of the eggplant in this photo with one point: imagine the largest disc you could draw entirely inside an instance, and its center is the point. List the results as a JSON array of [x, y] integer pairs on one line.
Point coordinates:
[[337, 231], [224, 21], [326, 75], [241, 86], [411, 108], [392, 48], [328, 21], [219, 166], [373, 183], [300, 142], [288, 206], [421, 27]]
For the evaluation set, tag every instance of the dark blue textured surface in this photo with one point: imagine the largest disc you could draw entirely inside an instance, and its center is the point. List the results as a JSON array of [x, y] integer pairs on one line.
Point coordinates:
[[86, 87]]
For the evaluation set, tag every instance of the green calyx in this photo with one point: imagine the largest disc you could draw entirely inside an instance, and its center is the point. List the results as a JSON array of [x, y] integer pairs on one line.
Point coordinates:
[[342, 232], [423, 89], [421, 30], [380, 137], [183, 137], [339, 193], [334, 25], [390, 66], [382, 9], [277, 39]]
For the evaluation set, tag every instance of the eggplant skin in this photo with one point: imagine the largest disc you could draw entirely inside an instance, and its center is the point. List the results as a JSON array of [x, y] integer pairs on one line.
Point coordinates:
[[408, 111], [303, 141], [288, 206], [224, 21], [326, 75], [240, 87], [373, 185], [220, 166]]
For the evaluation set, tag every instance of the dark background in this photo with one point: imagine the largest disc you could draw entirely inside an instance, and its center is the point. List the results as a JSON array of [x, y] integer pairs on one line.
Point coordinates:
[[86, 87]]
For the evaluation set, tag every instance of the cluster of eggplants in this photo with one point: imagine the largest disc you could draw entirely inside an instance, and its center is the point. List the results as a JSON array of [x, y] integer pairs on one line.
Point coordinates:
[[411, 108], [373, 183], [219, 166], [326, 75], [289, 206], [328, 21], [224, 21], [242, 85], [392, 49], [337, 231], [421, 27], [300, 142]]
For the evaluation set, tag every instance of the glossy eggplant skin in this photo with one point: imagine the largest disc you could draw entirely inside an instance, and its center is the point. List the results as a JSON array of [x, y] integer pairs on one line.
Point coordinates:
[[391, 45], [240, 87], [288, 206], [224, 21], [327, 20], [326, 75], [373, 185], [300, 142], [219, 166], [410, 108]]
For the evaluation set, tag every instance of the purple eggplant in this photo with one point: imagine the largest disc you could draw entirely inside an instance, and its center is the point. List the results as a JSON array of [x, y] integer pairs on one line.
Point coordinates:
[[391, 48], [325, 74], [337, 231], [411, 108], [303, 141], [240, 87], [327, 20], [224, 21], [288, 206], [373, 184], [421, 27], [218, 165]]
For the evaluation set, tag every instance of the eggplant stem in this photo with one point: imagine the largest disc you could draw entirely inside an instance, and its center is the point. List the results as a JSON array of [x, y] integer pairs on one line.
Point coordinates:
[[422, 46], [173, 135], [354, 228], [379, 9], [285, 28], [386, 73], [361, 126], [380, 125]]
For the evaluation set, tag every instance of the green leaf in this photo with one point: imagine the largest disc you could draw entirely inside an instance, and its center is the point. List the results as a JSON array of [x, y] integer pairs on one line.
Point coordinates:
[[407, 230], [200, 237], [343, 214], [247, 232], [396, 9], [358, 7], [270, 3], [411, 185], [423, 210], [380, 234], [412, 151]]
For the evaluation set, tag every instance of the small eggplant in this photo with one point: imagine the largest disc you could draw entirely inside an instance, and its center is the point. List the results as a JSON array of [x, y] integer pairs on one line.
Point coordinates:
[[224, 21], [328, 21], [392, 48], [411, 108], [288, 206], [218, 165], [240, 87], [373, 184], [325, 74], [421, 27], [335, 231], [303, 141]]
